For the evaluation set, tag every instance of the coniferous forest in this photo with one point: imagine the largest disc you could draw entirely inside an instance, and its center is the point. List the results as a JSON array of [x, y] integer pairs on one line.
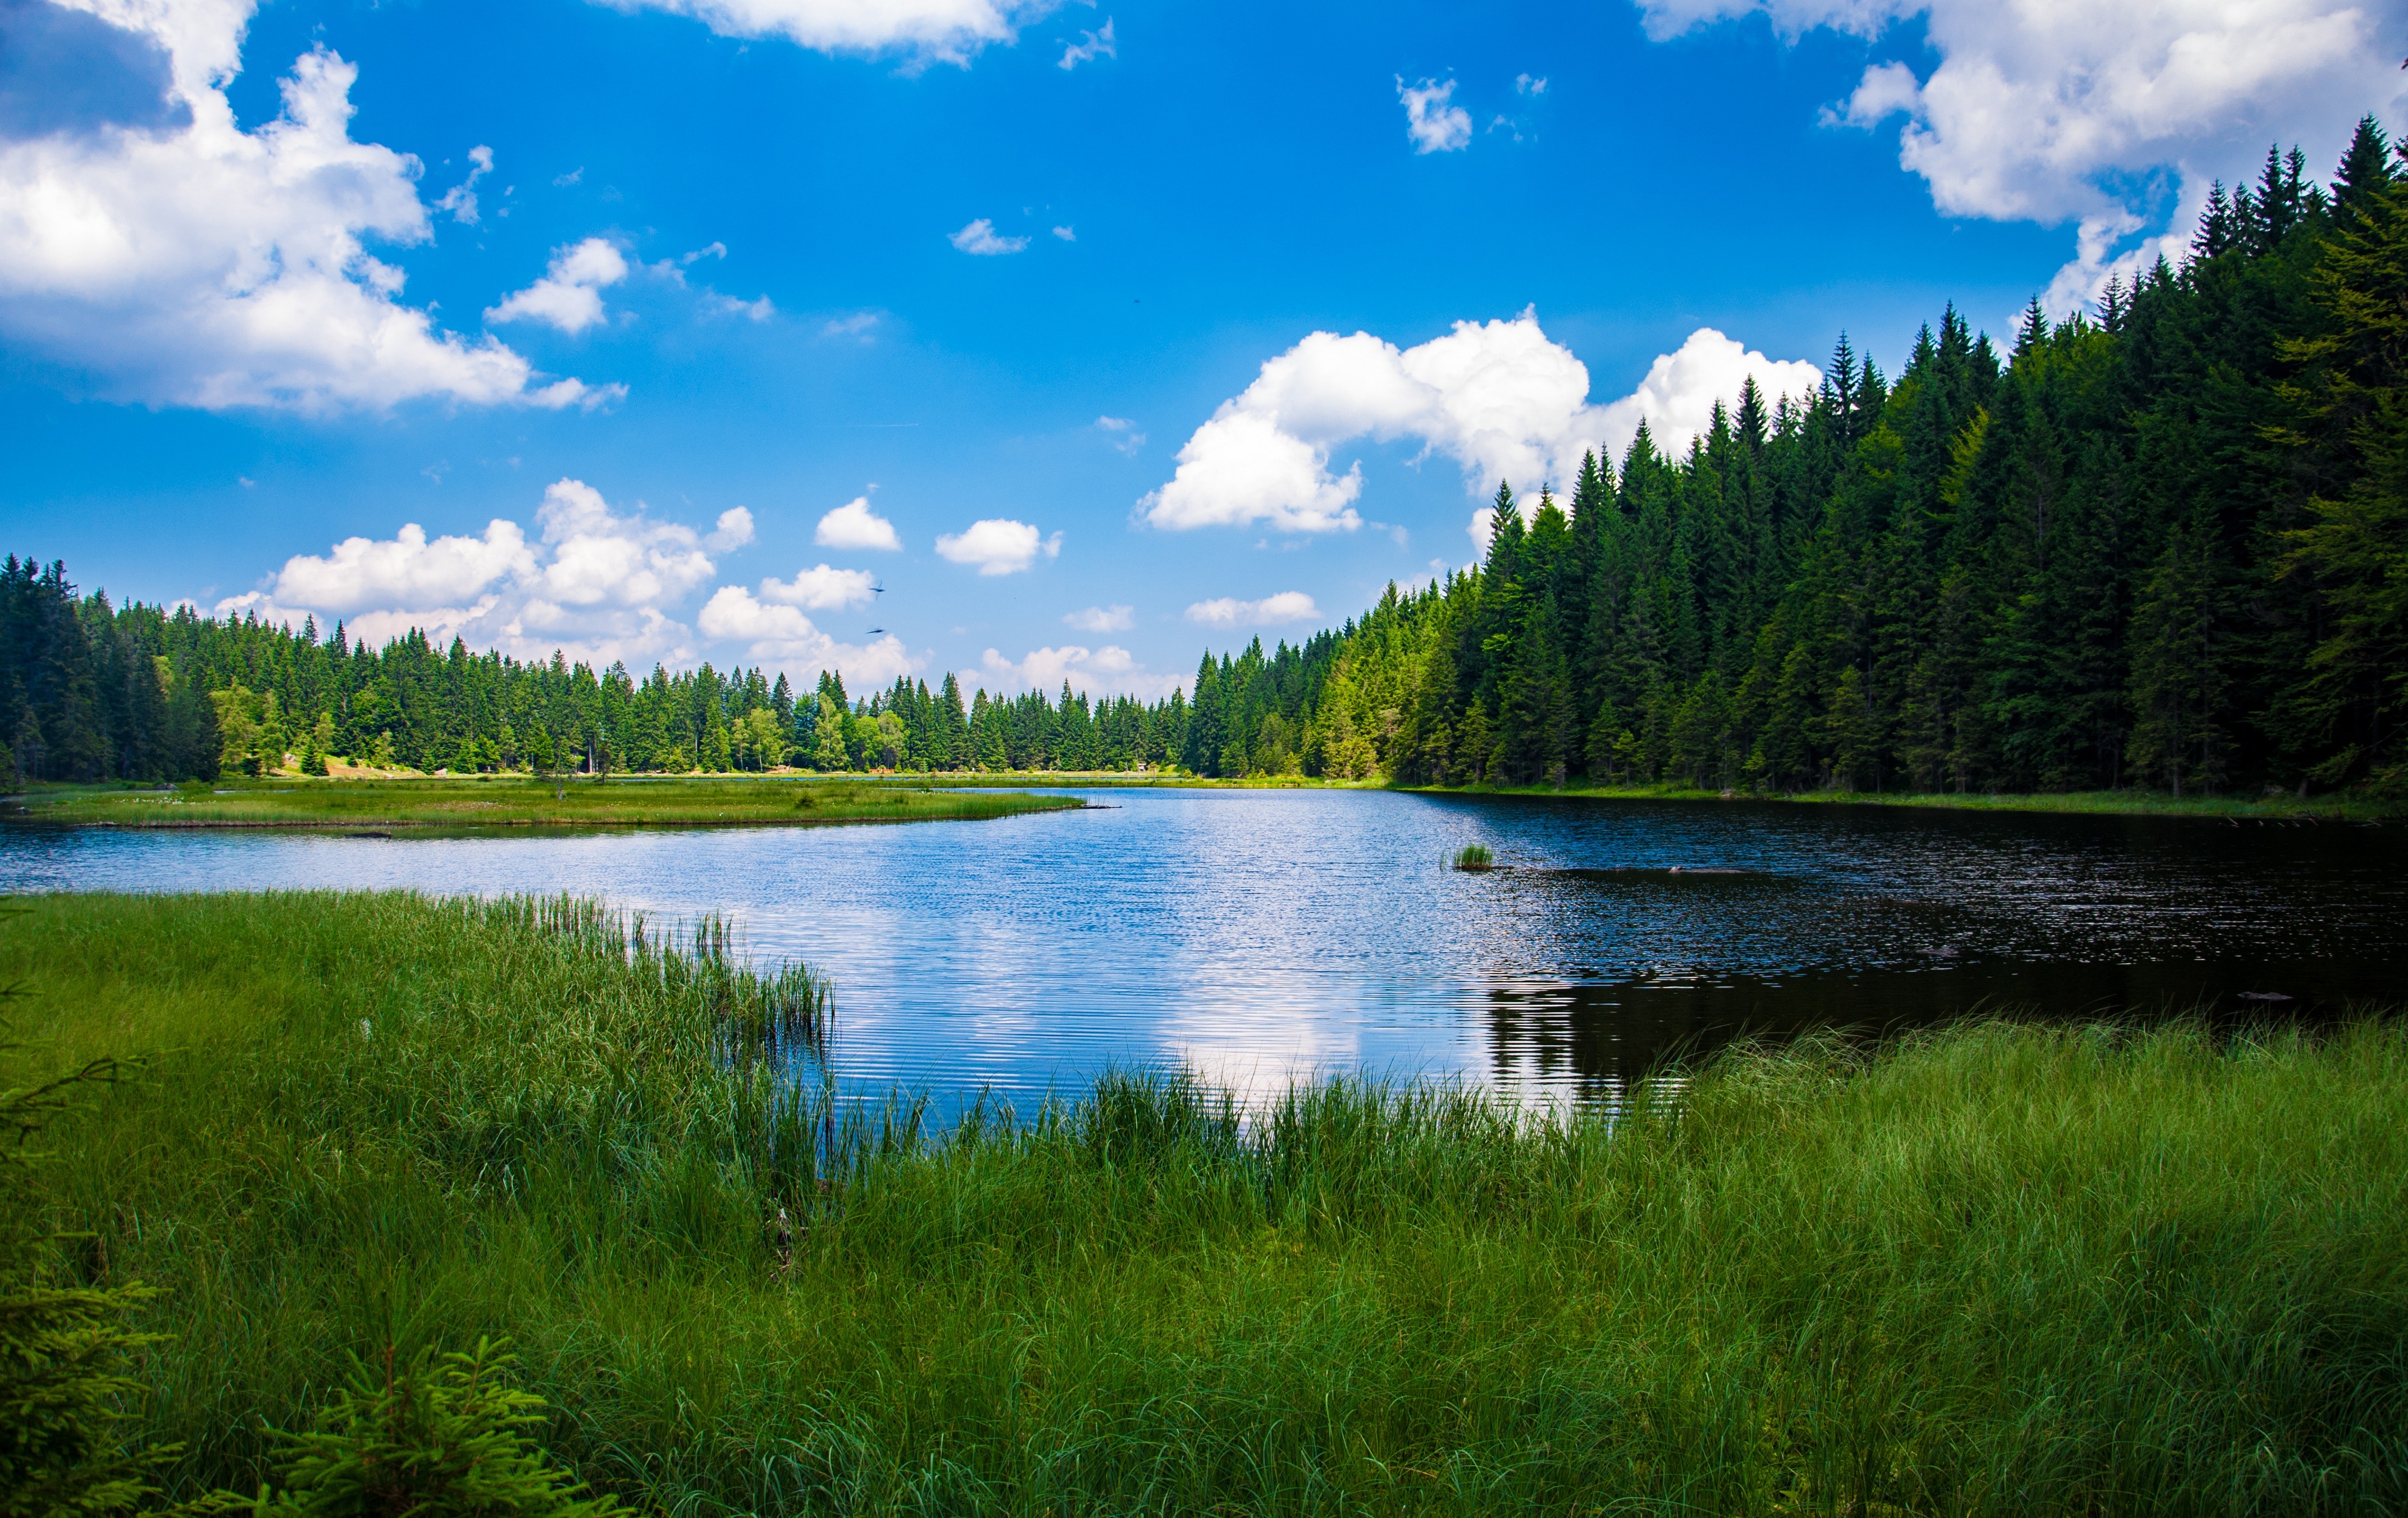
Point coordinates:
[[2164, 547]]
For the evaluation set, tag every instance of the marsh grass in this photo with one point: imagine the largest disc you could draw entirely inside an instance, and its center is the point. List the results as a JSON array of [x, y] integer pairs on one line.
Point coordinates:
[[1474, 856], [2006, 1268], [470, 805]]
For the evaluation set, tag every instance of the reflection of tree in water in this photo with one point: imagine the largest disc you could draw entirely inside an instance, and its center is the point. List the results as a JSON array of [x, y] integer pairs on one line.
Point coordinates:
[[1594, 1042]]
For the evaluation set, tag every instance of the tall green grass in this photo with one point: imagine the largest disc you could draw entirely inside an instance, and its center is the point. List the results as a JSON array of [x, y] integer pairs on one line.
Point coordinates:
[[2007, 1268]]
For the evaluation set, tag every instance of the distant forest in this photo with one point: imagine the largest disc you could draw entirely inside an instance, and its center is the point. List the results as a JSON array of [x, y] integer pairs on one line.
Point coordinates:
[[2163, 548]]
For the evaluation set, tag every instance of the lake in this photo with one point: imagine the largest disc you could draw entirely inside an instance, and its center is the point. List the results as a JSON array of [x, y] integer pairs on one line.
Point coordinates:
[[1258, 936]]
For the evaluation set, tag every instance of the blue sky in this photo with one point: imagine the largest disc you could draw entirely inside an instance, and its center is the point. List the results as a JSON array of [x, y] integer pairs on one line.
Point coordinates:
[[726, 273]]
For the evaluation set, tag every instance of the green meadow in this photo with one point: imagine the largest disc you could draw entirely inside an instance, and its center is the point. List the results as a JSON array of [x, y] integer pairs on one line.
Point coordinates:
[[2005, 1269], [514, 801]]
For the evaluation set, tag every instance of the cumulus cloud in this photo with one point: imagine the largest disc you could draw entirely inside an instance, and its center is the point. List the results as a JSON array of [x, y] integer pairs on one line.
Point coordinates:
[[978, 238], [780, 635], [734, 530], [2050, 111], [1121, 431], [1103, 619], [822, 589], [1067, 234], [1270, 611], [569, 296], [1110, 670], [998, 545], [926, 31], [853, 525], [600, 583], [1092, 46], [860, 326], [406, 570], [187, 261], [1498, 397], [1431, 125]]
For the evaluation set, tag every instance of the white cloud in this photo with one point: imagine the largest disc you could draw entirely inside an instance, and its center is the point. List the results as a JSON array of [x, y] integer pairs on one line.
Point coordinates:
[[926, 30], [2051, 110], [568, 297], [782, 637], [998, 545], [855, 526], [1123, 433], [822, 589], [1499, 398], [1110, 670], [1526, 84], [461, 199], [1431, 125], [734, 530], [561, 181], [407, 570], [596, 583], [715, 303], [1067, 234], [979, 238], [1096, 45], [201, 264], [859, 326], [1270, 611], [1103, 619]]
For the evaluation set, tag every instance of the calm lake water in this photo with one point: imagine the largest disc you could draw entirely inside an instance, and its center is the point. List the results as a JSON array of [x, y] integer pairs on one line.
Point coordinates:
[[1258, 936]]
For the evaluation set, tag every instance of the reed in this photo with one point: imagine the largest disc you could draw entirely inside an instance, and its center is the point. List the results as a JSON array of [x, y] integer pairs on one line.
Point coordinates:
[[2005, 1269]]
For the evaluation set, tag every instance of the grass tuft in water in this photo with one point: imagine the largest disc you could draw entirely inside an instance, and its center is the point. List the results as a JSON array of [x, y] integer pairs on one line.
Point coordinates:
[[2001, 1270], [1474, 856]]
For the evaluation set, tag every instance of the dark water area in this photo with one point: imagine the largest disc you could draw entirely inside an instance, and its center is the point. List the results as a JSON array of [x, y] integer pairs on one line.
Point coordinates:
[[1262, 936]]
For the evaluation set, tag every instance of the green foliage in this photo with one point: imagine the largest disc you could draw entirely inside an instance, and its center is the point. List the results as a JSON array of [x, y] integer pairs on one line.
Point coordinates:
[[2004, 1269], [434, 1435], [1474, 856], [64, 1346]]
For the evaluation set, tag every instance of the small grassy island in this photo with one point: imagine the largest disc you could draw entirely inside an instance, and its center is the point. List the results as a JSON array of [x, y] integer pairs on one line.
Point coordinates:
[[2001, 1270], [471, 804]]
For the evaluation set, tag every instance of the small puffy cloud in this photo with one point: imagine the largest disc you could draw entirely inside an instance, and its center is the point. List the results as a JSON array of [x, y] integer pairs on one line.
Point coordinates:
[[1270, 611], [568, 297], [1432, 124], [998, 545], [734, 530], [184, 261], [2049, 112], [782, 637], [1067, 234], [1498, 397], [978, 238], [1527, 85], [822, 589], [1121, 431], [407, 570], [715, 303], [561, 181], [1103, 619], [1091, 46], [1110, 670], [860, 325], [601, 559], [461, 199], [926, 31], [853, 525]]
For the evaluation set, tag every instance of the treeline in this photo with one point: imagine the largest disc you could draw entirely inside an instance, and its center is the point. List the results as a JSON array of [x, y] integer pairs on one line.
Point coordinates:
[[93, 691], [2164, 547]]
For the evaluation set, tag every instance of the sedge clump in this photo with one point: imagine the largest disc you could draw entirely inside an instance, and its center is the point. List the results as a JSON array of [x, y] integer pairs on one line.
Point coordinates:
[[1475, 858]]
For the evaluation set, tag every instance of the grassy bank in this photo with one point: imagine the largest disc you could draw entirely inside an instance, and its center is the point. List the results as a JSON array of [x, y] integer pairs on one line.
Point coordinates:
[[2004, 1269], [2285, 807], [514, 801]]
